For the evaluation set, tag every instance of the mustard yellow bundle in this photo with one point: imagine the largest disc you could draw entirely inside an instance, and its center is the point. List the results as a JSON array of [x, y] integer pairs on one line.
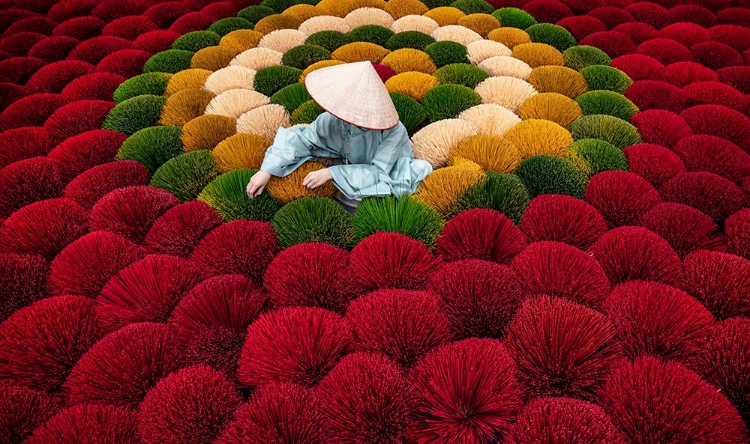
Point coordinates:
[[213, 58], [482, 24], [510, 37], [442, 189], [289, 188], [412, 84], [538, 54], [303, 12], [241, 39], [402, 8], [360, 52], [274, 22], [551, 106], [341, 8], [207, 131], [187, 79], [558, 79], [445, 15], [492, 153], [184, 106], [241, 152], [533, 137], [408, 59]]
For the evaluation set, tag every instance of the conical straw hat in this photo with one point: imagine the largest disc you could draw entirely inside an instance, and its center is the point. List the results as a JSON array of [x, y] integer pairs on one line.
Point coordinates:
[[354, 93]]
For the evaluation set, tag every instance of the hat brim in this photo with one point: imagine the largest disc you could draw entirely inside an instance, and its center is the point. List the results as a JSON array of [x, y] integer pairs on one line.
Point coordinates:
[[352, 123]]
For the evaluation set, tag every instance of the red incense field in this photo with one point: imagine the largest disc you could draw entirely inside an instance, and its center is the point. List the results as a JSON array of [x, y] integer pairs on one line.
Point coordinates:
[[575, 270]]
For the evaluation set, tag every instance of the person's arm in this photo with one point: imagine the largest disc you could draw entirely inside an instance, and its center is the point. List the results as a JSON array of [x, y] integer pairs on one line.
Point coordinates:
[[291, 148], [374, 179]]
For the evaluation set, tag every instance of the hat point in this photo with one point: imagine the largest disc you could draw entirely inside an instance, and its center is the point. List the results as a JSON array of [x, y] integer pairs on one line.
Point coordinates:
[[354, 93]]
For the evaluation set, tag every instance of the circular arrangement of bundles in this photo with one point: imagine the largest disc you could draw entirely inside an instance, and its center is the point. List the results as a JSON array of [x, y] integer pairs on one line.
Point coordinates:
[[575, 266]]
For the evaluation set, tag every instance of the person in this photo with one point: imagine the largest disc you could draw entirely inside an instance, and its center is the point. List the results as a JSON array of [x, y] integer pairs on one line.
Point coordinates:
[[359, 132]]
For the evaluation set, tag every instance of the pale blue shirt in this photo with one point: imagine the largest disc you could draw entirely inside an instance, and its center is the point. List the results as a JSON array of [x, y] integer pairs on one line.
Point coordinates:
[[367, 162]]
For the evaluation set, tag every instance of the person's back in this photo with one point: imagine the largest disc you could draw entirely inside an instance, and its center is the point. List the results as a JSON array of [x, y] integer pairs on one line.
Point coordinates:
[[360, 132]]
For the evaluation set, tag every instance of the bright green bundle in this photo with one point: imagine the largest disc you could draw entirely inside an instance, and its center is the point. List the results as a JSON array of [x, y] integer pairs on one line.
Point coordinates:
[[153, 83], [410, 112], [330, 40], [291, 96], [552, 35], [229, 24], [171, 61], [579, 57], [600, 77], [186, 175], [313, 219], [376, 34], [227, 194], [152, 146], [306, 113], [282, 5], [514, 18], [594, 156], [501, 192], [603, 127], [448, 101], [196, 40], [545, 174], [302, 56], [432, 4], [446, 53], [460, 74], [404, 215], [134, 114], [473, 6], [253, 14], [607, 102], [409, 39], [272, 78]]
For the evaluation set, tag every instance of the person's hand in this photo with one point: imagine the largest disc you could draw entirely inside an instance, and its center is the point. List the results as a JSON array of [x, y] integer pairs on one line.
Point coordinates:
[[317, 178], [257, 183]]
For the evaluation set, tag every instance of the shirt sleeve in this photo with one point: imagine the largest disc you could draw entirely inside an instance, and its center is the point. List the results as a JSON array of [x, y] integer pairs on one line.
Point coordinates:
[[293, 147], [390, 172]]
